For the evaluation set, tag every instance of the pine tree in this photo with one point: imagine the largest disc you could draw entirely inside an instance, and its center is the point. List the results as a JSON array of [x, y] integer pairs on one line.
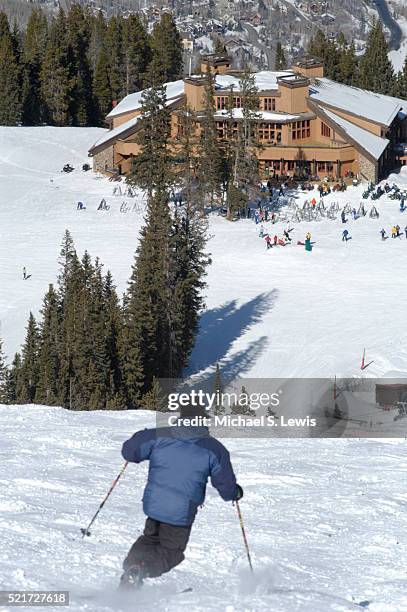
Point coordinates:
[[78, 35], [102, 88], [209, 170], [167, 48], [98, 29], [218, 390], [147, 298], [136, 52], [245, 164], [402, 82], [47, 391], [56, 84], [376, 70], [152, 167], [115, 49], [70, 281], [14, 380], [33, 51], [243, 406], [4, 378], [348, 65], [318, 46], [114, 339], [29, 372], [281, 62], [189, 261], [10, 98]]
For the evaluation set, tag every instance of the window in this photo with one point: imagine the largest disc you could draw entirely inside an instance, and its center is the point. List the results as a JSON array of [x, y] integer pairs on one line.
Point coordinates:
[[269, 132], [221, 102], [325, 130], [269, 104]]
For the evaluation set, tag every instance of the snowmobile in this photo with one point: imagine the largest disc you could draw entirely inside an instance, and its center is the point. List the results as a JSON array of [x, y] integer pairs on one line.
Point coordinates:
[[85, 167]]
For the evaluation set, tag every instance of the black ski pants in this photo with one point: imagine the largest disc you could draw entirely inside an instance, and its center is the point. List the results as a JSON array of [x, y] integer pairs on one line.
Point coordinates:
[[159, 549]]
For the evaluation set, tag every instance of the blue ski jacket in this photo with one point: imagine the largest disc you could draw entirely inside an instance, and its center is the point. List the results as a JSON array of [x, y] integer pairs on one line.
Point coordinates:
[[181, 461]]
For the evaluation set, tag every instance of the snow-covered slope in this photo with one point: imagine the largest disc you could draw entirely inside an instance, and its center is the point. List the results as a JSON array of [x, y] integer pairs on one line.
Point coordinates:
[[283, 312], [325, 520]]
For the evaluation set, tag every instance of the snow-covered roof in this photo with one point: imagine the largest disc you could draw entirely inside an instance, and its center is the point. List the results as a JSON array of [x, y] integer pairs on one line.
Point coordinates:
[[120, 129], [369, 142], [373, 106], [265, 80], [262, 115], [115, 133], [132, 102]]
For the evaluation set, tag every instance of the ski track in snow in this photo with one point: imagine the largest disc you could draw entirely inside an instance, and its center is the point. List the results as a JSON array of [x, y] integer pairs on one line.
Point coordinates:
[[326, 519]]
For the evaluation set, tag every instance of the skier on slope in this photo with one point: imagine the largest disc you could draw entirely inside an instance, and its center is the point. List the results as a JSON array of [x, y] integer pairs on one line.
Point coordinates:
[[182, 458]]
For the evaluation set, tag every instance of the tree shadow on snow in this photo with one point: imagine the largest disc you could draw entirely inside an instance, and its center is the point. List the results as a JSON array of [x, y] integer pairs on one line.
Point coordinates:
[[220, 327]]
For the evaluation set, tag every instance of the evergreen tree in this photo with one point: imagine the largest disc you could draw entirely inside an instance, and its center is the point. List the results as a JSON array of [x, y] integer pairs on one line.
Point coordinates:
[[152, 167], [14, 380], [147, 299], [218, 408], [348, 65], [78, 35], [4, 379], [190, 259], [402, 82], [10, 98], [376, 70], [136, 52], [29, 372], [56, 84], [33, 51], [243, 405], [209, 170], [318, 46], [281, 62], [114, 341], [47, 391], [167, 48], [245, 165], [102, 88], [97, 27], [114, 48]]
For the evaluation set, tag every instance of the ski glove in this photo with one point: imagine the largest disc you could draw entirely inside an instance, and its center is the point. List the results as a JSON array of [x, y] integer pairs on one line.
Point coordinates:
[[239, 493]]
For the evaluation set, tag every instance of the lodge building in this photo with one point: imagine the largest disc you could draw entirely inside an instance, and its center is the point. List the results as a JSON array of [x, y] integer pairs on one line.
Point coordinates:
[[304, 121]]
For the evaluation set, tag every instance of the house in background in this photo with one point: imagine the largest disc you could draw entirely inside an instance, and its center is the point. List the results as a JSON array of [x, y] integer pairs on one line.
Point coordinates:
[[305, 121]]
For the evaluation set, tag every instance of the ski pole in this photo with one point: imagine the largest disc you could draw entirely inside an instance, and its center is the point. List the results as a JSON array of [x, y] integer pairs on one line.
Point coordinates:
[[244, 535], [86, 532]]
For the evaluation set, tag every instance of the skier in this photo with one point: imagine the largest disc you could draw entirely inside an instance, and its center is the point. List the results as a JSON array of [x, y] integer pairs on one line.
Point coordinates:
[[345, 236], [268, 242], [397, 231], [405, 231], [261, 233], [354, 213], [182, 458], [275, 240], [24, 274], [287, 236], [393, 232], [343, 217], [383, 234], [402, 205]]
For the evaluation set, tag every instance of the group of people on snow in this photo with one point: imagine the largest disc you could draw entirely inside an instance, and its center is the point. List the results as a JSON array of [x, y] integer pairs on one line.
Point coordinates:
[[395, 232]]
